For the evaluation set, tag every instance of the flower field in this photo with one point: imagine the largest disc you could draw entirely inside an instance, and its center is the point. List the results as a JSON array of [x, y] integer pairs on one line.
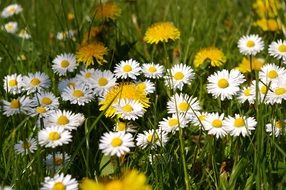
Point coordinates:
[[142, 95]]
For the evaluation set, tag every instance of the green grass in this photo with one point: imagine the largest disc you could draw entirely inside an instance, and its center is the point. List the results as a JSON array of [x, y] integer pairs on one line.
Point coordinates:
[[253, 162]]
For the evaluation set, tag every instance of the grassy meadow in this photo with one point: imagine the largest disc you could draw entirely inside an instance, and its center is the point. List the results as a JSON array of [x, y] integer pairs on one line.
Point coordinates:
[[230, 142]]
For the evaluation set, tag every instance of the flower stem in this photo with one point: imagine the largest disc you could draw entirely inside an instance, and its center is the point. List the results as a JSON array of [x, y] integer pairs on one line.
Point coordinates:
[[182, 148]]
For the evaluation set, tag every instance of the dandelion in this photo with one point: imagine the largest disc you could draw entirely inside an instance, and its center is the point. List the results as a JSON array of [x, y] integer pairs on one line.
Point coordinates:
[[64, 63], [268, 24], [129, 109], [116, 143], [91, 34], [13, 83], [36, 82], [80, 94], [107, 11], [267, 9], [127, 69], [53, 136], [151, 138], [277, 49], [11, 10], [60, 182], [256, 65], [11, 27], [151, 70], [19, 105], [26, 147], [212, 54], [90, 52], [250, 44], [161, 32]]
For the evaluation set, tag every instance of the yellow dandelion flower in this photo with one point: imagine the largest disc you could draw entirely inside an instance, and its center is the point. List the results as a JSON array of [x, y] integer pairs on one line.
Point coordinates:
[[123, 91], [268, 25], [92, 34], [244, 66], [107, 11], [88, 184], [161, 32], [267, 8], [212, 54], [87, 53]]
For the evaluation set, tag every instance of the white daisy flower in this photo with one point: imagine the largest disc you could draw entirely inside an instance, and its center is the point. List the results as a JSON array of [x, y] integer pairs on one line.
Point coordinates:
[[54, 136], [72, 82], [271, 72], [60, 182], [224, 84], [129, 109], [86, 76], [151, 70], [56, 161], [250, 44], [278, 49], [36, 82], [22, 104], [13, 83], [183, 103], [127, 69], [64, 119], [247, 94], [46, 100], [116, 143], [277, 127], [215, 125], [64, 63], [11, 10], [147, 85], [240, 125], [79, 94], [26, 147], [102, 81], [179, 75], [70, 34], [172, 124], [40, 111], [152, 138], [11, 27], [276, 93], [199, 118], [24, 34], [124, 126]]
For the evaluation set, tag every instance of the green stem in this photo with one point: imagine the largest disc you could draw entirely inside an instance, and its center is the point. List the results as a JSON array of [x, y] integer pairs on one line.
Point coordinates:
[[182, 150]]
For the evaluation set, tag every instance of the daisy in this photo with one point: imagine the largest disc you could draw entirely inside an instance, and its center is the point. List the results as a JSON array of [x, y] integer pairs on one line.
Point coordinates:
[[224, 84], [199, 118], [247, 94], [46, 100], [125, 69], [25, 147], [212, 54], [72, 82], [54, 136], [277, 127], [79, 94], [147, 85], [11, 27], [179, 75], [215, 125], [250, 44], [183, 103], [64, 63], [21, 104], [86, 76], [116, 143], [124, 126], [64, 120], [56, 161], [60, 182], [102, 81], [40, 111], [151, 70], [129, 109], [172, 124], [271, 72], [36, 82], [277, 92], [11, 10], [161, 32], [24, 34], [240, 125], [277, 49], [152, 138], [13, 83], [107, 11]]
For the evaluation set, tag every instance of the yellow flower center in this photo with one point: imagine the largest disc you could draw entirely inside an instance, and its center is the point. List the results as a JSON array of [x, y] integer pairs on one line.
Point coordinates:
[[278, 124], [46, 101], [250, 43], [12, 10], [41, 109], [35, 81], [127, 68], [179, 76], [116, 142], [223, 83], [152, 138], [239, 122], [65, 63], [127, 108], [115, 185], [121, 126], [272, 74], [77, 93], [15, 103], [87, 75], [152, 69], [247, 92], [202, 118], [173, 122], [58, 161], [102, 81], [282, 48], [63, 120], [53, 136], [26, 145], [263, 89], [13, 83], [59, 186], [280, 91], [217, 123], [183, 106]]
